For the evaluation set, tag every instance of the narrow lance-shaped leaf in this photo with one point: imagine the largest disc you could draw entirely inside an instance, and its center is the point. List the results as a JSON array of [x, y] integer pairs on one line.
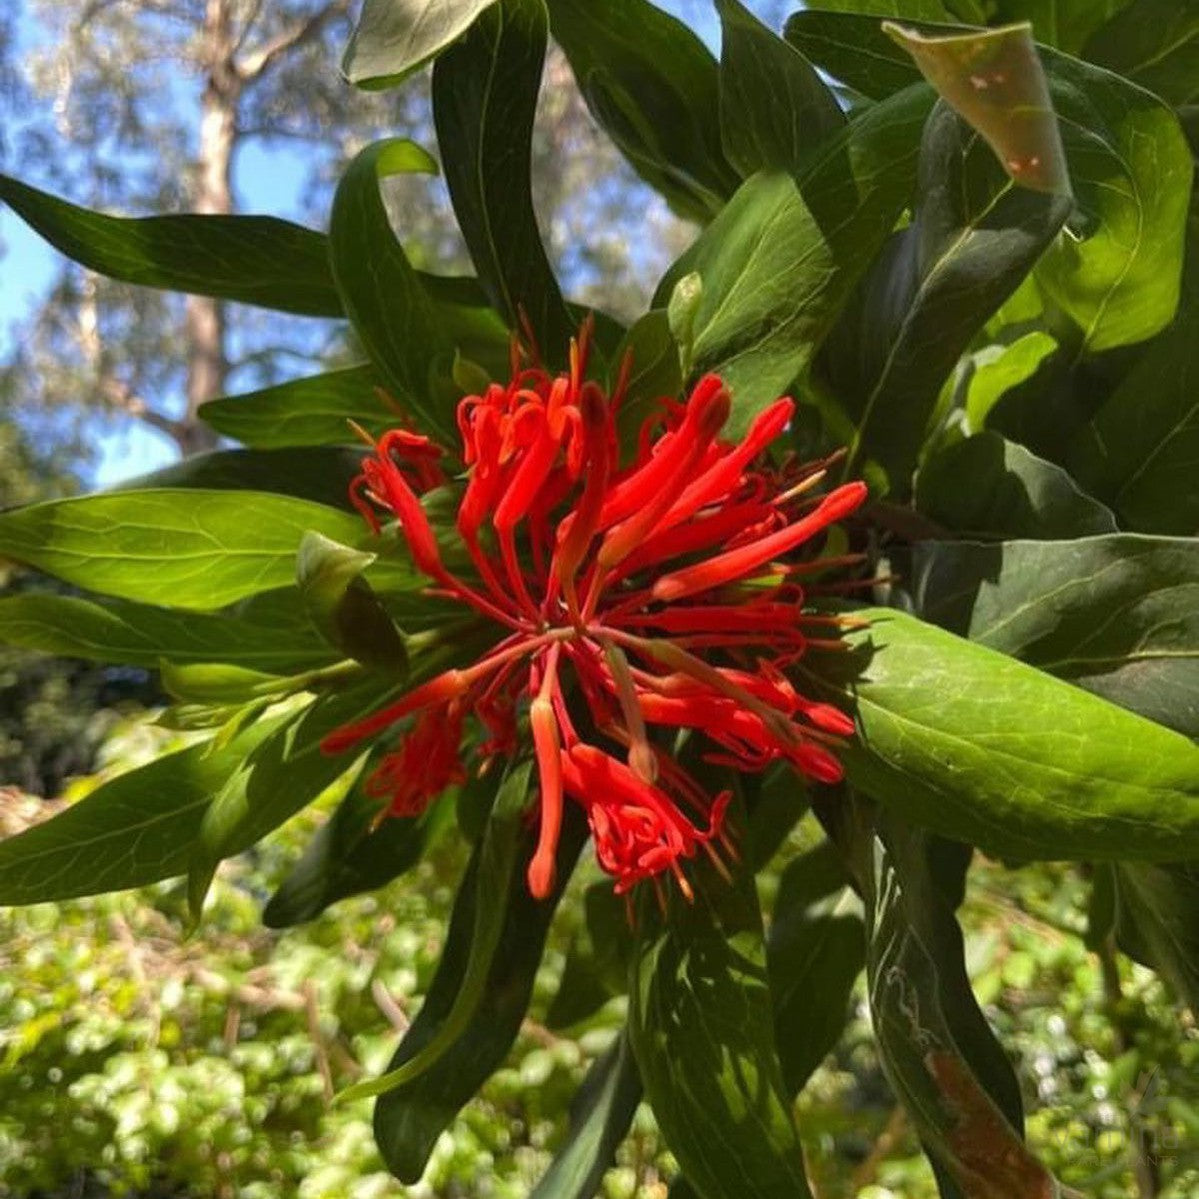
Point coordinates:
[[987, 750], [185, 549], [252, 259], [484, 98], [392, 313]]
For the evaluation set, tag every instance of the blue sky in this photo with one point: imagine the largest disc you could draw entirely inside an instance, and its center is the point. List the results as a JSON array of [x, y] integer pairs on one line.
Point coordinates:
[[267, 181]]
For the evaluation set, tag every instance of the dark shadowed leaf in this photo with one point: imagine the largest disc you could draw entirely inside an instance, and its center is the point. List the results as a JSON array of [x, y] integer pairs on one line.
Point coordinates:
[[1117, 615], [392, 312], [656, 372], [394, 37], [990, 488], [702, 1030], [1064, 24], [973, 238], [185, 549], [484, 97], [1154, 43], [979, 747], [599, 1119], [775, 110], [1157, 921], [254, 259], [997, 368], [652, 85]]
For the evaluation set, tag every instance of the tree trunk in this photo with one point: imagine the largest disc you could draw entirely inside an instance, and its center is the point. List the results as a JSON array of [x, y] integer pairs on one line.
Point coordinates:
[[207, 361]]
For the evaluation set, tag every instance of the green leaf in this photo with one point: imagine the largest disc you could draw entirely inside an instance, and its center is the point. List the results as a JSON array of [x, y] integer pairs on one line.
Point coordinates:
[[651, 83], [185, 549], [393, 314], [972, 239], [344, 608], [702, 1030], [1154, 43], [940, 1055], [1138, 452], [815, 951], [1064, 24], [987, 750], [599, 1119], [349, 854], [313, 411], [484, 98], [656, 371], [493, 904], [318, 473], [252, 259], [997, 368], [775, 110], [135, 829], [782, 257], [994, 81], [990, 488], [393, 38], [1117, 615], [1157, 921], [269, 632]]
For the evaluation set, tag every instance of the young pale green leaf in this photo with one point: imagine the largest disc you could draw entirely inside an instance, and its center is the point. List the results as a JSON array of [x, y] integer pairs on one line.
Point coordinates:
[[1154, 43], [253, 259], [343, 606], [651, 83], [1157, 921], [972, 239], [996, 369], [775, 110], [269, 632], [185, 549], [484, 97], [940, 1055], [987, 750], [702, 1031], [219, 683], [410, 1118], [393, 38], [1118, 615], [783, 255], [600, 1117], [136, 829], [995, 81], [393, 313], [815, 951], [314, 411], [990, 488]]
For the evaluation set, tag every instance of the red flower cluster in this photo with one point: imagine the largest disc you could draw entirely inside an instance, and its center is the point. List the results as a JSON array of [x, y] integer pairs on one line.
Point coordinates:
[[651, 594]]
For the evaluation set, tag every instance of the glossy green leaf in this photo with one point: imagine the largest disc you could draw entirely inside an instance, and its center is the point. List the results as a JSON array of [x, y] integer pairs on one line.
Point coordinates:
[[782, 257], [318, 473], [484, 98], [1139, 451], [973, 237], [775, 110], [185, 549], [395, 37], [304, 412], [987, 487], [599, 1119], [1154, 43], [979, 747], [352, 852], [1118, 615], [344, 608], [815, 951], [269, 632], [133, 830], [997, 368], [1063, 24], [656, 371], [410, 1117], [392, 312], [651, 83], [1157, 921], [940, 1055], [701, 1025], [253, 259], [995, 81]]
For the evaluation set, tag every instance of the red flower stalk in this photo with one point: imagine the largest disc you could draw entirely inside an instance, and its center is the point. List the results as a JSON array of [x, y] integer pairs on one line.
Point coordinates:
[[583, 565]]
